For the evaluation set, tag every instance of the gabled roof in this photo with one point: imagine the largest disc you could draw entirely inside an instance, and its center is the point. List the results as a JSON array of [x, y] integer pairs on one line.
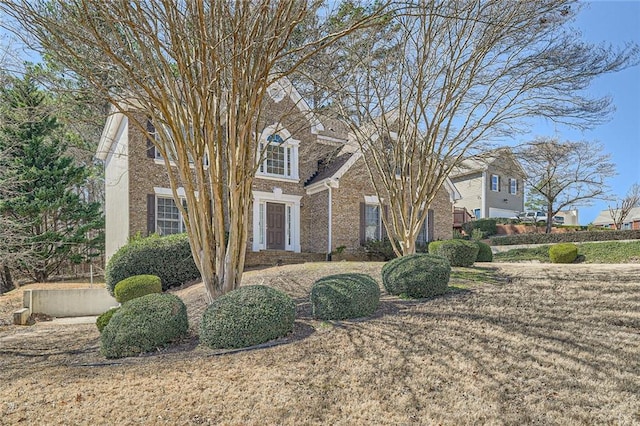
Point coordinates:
[[604, 217], [329, 169], [482, 162], [109, 133]]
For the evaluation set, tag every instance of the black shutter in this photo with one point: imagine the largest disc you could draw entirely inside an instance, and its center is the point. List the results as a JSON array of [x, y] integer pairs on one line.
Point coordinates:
[[430, 220], [151, 214], [385, 217], [363, 234], [151, 134]]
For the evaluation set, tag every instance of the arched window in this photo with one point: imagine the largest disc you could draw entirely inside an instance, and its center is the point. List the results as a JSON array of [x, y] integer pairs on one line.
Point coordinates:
[[278, 154]]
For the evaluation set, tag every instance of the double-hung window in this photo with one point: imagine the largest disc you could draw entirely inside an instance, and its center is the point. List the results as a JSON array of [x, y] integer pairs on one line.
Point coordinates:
[[513, 186], [278, 157], [372, 222], [168, 217], [495, 183]]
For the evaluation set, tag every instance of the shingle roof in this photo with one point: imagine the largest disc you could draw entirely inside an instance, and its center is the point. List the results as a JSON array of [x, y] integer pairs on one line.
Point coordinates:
[[328, 167]]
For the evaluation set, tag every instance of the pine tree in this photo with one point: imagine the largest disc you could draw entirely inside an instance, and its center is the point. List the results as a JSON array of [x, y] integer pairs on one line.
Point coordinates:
[[48, 200]]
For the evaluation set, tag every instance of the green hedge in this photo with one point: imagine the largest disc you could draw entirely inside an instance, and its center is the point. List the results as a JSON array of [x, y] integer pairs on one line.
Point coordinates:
[[144, 324], [103, 319], [566, 237], [247, 316], [417, 275], [563, 253], [166, 257], [457, 252], [343, 296], [137, 286], [487, 226], [484, 252]]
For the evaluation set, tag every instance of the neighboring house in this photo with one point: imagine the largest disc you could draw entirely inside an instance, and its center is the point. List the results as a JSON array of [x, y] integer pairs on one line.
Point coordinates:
[[311, 194], [632, 221], [570, 217], [491, 185]]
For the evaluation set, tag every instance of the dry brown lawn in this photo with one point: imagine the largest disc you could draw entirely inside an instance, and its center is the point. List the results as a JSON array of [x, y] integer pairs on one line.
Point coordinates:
[[551, 345]]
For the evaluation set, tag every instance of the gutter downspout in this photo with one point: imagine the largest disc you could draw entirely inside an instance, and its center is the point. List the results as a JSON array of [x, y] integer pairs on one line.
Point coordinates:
[[484, 195], [330, 185]]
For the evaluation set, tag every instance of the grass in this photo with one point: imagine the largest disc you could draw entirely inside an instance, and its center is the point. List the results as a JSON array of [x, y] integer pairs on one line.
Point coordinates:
[[534, 351], [605, 252]]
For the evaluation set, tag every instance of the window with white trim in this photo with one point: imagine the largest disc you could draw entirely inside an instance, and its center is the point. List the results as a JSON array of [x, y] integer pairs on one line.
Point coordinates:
[[495, 183], [279, 157], [168, 217], [513, 186]]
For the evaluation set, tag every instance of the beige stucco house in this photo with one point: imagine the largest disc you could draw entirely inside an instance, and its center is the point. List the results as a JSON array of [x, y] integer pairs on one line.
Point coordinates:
[[311, 195], [490, 185]]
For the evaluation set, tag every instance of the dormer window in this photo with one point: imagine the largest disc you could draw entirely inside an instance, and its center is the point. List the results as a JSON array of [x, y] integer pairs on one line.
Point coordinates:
[[279, 155]]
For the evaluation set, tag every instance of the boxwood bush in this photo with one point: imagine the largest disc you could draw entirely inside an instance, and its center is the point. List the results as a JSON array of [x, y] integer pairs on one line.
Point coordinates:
[[457, 252], [563, 253], [166, 257], [247, 316], [343, 296], [567, 237], [137, 286], [417, 275], [144, 324], [104, 318], [484, 252]]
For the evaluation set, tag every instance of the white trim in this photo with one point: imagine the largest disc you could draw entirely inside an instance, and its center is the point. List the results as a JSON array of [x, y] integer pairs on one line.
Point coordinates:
[[484, 196], [372, 199], [289, 144], [334, 141], [167, 192], [110, 132], [292, 201], [282, 87]]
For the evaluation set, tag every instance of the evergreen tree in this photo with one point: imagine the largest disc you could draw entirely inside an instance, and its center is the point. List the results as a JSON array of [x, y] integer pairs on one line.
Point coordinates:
[[48, 196]]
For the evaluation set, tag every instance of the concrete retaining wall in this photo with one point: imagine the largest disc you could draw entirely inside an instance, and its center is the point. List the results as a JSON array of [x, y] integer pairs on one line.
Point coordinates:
[[70, 302]]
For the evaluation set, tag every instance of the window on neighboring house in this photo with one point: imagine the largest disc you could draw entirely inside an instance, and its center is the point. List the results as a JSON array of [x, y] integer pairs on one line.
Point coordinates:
[[495, 183], [280, 157], [513, 186], [168, 217], [626, 225]]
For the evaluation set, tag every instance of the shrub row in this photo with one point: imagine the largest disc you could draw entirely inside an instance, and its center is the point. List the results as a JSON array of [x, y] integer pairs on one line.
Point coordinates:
[[487, 226], [567, 237], [167, 257]]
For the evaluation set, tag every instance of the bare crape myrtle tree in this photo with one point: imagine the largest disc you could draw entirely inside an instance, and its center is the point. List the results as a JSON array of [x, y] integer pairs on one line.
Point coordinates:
[[199, 70], [436, 81]]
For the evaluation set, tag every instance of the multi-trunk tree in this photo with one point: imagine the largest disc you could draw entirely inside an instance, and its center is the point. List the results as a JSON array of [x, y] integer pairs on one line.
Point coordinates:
[[45, 209], [440, 80], [563, 174], [200, 71]]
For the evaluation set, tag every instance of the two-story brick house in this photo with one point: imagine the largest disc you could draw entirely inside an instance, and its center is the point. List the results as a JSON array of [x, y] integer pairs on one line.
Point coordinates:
[[491, 185], [311, 193]]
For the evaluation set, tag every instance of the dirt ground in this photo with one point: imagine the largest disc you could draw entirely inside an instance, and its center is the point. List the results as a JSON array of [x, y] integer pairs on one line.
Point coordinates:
[[540, 344]]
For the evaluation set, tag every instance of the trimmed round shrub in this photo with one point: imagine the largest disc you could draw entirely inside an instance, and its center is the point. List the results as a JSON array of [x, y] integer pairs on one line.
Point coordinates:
[[136, 286], [484, 252], [247, 316], [166, 257], [563, 253], [417, 275], [457, 252], [143, 325], [104, 318], [344, 296]]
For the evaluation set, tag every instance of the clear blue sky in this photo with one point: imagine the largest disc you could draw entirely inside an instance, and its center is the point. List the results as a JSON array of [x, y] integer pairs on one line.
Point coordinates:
[[614, 22]]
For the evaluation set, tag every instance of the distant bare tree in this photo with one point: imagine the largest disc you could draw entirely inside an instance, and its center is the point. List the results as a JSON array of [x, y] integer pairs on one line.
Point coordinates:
[[567, 173], [449, 76], [200, 70], [623, 206]]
